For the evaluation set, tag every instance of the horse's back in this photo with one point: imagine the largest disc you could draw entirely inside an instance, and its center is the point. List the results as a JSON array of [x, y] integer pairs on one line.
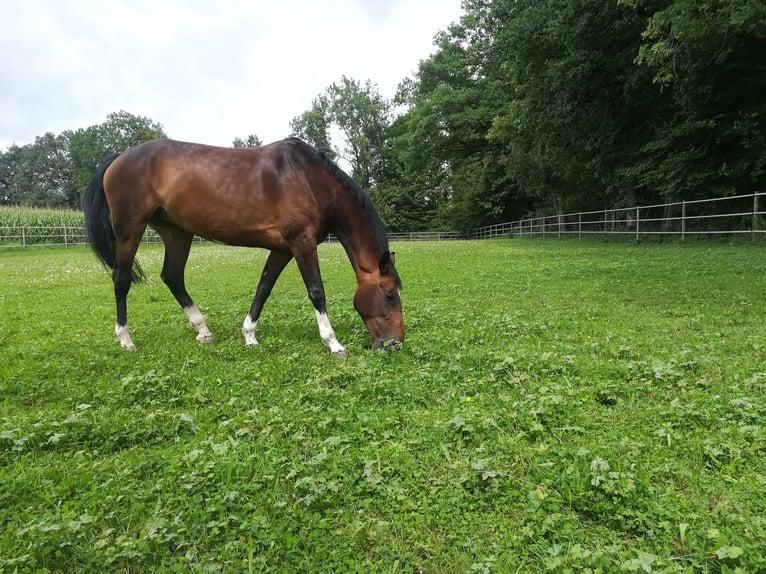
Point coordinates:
[[254, 196]]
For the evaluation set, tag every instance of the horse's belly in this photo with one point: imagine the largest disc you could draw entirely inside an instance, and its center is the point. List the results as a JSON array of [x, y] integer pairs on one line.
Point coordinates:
[[268, 237]]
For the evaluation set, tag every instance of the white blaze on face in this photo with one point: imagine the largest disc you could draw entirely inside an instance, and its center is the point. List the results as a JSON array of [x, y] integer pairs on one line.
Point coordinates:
[[248, 331], [197, 321], [327, 334]]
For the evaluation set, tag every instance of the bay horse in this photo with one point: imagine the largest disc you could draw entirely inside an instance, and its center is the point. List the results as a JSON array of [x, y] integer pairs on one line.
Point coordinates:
[[285, 197]]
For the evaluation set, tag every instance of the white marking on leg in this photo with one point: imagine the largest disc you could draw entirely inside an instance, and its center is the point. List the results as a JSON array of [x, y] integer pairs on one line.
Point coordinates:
[[197, 321], [123, 336], [248, 331], [327, 334]]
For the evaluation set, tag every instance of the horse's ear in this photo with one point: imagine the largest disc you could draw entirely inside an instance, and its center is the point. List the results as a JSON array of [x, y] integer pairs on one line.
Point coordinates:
[[387, 262]]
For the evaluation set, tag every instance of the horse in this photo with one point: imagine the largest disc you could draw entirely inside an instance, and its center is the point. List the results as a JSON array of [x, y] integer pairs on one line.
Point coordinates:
[[286, 197]]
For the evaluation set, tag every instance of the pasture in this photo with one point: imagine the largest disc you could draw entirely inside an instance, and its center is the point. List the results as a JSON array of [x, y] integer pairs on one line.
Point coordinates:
[[556, 407]]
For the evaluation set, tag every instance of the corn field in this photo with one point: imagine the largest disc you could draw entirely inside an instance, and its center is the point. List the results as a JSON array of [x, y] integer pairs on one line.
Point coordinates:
[[33, 226]]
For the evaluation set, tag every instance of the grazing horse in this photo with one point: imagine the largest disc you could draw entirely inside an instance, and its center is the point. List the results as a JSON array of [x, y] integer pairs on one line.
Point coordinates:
[[285, 197]]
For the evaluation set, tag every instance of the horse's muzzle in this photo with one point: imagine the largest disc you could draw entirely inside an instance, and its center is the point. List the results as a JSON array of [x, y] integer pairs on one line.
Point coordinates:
[[387, 344]]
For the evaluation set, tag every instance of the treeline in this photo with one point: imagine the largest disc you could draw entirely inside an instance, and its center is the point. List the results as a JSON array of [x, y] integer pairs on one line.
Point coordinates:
[[524, 106], [53, 171], [562, 105]]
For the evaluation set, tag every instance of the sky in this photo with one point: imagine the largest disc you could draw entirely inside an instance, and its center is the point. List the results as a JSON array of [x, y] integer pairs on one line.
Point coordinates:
[[207, 70]]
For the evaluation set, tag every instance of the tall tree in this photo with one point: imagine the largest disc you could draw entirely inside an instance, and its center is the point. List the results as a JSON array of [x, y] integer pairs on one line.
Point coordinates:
[[11, 162], [121, 130], [38, 174], [313, 126], [54, 170], [580, 108], [362, 116], [707, 59], [574, 104], [458, 92]]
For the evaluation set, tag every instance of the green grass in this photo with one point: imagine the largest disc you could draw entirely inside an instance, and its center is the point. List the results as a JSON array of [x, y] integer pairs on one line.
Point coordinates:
[[557, 407]]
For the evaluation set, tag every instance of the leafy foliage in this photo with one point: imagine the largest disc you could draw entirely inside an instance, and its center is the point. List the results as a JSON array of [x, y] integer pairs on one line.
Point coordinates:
[[563, 105], [525, 106], [361, 115], [249, 142], [54, 170]]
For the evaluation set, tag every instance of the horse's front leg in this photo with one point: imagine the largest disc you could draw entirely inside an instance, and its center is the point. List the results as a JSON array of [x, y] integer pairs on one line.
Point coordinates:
[[308, 264], [275, 264], [327, 333]]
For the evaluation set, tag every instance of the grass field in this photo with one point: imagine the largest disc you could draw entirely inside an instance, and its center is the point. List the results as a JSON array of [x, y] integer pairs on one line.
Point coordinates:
[[557, 407]]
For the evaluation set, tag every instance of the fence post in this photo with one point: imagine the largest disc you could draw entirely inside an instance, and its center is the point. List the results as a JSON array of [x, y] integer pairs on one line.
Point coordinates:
[[638, 219], [66, 243], [23, 235], [559, 218], [754, 226], [683, 221]]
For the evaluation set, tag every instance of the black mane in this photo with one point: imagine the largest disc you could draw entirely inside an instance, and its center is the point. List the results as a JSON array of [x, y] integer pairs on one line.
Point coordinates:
[[369, 212]]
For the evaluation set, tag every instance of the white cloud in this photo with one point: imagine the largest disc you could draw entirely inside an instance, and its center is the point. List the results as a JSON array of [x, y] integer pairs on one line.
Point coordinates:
[[208, 70]]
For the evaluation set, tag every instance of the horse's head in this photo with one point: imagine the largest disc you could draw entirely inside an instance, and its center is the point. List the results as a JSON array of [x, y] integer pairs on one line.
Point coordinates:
[[379, 304]]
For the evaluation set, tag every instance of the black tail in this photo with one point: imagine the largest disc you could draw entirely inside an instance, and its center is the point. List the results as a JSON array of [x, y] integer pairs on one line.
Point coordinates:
[[98, 223]]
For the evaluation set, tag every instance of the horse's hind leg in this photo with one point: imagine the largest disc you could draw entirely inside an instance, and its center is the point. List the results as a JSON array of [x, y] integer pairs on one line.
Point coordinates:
[[122, 277], [177, 246]]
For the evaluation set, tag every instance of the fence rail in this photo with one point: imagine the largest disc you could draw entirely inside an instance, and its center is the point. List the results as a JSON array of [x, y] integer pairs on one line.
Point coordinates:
[[68, 235], [53, 235], [735, 215]]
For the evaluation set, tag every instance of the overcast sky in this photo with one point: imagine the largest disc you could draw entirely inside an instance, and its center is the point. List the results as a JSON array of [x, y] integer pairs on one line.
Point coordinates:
[[207, 70]]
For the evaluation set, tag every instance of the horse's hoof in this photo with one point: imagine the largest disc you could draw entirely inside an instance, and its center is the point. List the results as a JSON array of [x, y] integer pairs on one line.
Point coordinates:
[[342, 354], [205, 339], [131, 347]]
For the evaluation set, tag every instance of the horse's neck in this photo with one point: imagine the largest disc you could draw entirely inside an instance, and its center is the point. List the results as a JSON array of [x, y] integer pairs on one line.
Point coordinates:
[[358, 241]]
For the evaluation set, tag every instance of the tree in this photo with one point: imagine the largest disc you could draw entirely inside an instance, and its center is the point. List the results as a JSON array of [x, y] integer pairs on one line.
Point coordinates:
[[706, 57], [581, 108], [360, 114], [363, 119], [10, 164], [313, 126], [457, 94], [249, 142], [54, 170], [38, 174], [120, 131], [577, 104]]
